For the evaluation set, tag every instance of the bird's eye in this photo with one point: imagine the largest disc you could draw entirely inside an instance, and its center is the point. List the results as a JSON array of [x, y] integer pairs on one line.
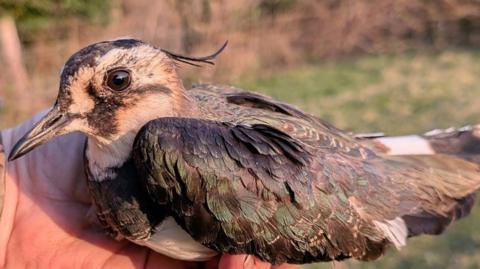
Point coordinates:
[[118, 79]]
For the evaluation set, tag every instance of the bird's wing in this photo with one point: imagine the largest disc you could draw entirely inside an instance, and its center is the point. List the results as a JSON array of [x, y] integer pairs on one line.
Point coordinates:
[[336, 148], [247, 189], [242, 107], [254, 189]]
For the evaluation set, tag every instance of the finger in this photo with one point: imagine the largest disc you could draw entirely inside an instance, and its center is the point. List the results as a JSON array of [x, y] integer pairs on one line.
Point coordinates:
[[242, 262], [211, 264], [158, 261]]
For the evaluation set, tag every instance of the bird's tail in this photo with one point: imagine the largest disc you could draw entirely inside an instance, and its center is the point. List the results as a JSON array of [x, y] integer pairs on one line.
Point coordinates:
[[453, 156], [460, 142]]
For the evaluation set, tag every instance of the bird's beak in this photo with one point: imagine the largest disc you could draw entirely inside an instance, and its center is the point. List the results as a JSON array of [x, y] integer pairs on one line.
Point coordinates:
[[50, 126]]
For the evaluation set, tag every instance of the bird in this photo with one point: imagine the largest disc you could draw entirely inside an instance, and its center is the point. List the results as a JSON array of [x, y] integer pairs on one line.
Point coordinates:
[[218, 169]]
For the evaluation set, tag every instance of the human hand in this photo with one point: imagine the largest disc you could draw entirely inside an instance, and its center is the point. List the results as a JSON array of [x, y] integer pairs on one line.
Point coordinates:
[[44, 223]]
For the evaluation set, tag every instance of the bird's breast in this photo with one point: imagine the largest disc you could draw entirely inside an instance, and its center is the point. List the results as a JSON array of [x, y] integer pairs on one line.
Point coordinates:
[[123, 207]]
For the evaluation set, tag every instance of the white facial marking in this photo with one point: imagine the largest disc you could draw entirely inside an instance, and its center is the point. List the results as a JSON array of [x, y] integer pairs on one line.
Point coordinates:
[[82, 102], [150, 106], [148, 67], [170, 239], [77, 125]]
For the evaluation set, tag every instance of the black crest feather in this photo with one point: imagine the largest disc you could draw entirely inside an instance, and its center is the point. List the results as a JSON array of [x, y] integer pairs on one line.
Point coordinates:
[[194, 60]]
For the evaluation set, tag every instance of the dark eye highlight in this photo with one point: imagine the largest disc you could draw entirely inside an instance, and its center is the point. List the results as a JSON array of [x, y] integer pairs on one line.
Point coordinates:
[[118, 79]]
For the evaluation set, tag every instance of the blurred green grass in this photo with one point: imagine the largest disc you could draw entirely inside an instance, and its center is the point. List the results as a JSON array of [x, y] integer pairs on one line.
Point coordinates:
[[397, 94]]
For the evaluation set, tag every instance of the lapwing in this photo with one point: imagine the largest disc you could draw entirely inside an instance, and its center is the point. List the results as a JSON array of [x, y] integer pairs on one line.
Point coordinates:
[[217, 169]]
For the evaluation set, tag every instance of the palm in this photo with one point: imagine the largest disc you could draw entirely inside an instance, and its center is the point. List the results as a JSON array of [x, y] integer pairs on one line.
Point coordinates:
[[50, 227]]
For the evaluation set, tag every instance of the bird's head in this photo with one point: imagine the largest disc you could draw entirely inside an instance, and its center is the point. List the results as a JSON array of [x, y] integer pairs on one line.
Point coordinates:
[[111, 89]]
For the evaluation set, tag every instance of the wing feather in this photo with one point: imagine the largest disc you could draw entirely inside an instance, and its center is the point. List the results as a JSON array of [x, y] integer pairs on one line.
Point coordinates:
[[252, 183], [255, 189]]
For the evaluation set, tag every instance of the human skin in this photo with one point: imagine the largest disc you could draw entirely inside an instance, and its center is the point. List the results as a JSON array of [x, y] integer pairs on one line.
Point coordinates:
[[47, 222]]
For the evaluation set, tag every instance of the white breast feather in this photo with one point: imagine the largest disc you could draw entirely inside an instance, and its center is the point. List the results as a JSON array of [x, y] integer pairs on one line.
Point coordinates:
[[171, 240]]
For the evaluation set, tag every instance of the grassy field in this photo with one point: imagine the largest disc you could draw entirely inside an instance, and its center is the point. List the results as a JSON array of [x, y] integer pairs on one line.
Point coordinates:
[[399, 94]]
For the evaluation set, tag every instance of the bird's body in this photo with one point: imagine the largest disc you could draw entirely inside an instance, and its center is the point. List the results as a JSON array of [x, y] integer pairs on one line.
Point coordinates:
[[345, 200], [218, 169]]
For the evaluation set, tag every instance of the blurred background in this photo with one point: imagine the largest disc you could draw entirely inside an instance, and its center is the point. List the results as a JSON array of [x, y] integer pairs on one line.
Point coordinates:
[[397, 66]]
